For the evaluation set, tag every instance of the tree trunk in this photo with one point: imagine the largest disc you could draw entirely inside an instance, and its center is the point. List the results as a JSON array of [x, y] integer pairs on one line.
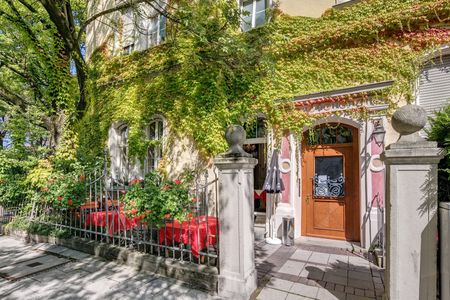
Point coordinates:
[[54, 126]]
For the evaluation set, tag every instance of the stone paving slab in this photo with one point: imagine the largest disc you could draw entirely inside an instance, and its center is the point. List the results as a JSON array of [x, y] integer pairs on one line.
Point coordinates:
[[323, 273], [31, 266]]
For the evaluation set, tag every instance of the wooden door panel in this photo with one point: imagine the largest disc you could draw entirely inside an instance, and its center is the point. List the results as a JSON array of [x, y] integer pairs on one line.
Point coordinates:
[[326, 212], [328, 216]]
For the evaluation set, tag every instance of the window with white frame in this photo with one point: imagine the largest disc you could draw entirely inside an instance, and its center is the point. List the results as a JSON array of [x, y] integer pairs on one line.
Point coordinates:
[[155, 134], [122, 143], [128, 33], [156, 30], [253, 13]]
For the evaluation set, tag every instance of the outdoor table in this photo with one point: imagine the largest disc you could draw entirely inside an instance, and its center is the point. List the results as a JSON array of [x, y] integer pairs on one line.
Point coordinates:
[[199, 233], [116, 221]]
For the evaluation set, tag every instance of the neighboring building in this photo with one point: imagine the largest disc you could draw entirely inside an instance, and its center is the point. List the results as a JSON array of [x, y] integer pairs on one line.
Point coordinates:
[[334, 178]]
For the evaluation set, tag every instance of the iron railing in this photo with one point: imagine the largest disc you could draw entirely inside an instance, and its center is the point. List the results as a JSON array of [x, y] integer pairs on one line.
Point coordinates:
[[102, 218], [7, 213]]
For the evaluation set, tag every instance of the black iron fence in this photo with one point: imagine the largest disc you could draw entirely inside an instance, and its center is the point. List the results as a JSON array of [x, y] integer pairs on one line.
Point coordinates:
[[103, 217]]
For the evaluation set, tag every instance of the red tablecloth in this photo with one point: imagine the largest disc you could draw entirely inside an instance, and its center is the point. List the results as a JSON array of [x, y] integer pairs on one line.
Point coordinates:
[[199, 233], [262, 199], [116, 221]]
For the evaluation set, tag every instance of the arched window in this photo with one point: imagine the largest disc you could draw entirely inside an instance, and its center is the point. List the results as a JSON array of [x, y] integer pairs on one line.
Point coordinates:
[[328, 134], [155, 134]]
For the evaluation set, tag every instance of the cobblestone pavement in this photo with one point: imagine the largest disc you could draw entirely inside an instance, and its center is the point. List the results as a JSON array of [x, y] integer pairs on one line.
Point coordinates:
[[312, 272], [78, 276]]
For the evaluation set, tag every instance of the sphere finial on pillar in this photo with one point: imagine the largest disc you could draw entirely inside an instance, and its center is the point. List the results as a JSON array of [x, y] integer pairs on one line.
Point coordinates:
[[235, 136], [408, 121]]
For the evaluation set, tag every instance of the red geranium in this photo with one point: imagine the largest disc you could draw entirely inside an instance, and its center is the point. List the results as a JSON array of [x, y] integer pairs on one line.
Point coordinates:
[[70, 202], [82, 177], [136, 181], [60, 198], [178, 182], [194, 200], [167, 216]]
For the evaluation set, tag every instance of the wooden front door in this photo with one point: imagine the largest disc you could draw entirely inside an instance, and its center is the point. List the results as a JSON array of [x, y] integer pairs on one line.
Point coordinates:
[[330, 185]]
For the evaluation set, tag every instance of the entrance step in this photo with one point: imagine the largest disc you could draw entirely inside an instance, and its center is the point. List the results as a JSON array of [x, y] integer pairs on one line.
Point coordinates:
[[260, 218], [321, 242]]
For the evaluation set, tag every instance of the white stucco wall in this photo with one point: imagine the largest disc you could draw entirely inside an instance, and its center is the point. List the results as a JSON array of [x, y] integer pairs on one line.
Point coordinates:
[[305, 8]]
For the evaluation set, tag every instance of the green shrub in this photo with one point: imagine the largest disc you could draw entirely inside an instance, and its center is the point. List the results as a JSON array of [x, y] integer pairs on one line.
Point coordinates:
[[440, 132], [157, 198]]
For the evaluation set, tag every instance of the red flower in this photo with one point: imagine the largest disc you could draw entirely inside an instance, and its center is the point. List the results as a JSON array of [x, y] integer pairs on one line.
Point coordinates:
[[70, 202], [178, 182], [167, 216], [82, 177], [194, 200], [136, 181], [134, 211], [60, 198], [142, 216]]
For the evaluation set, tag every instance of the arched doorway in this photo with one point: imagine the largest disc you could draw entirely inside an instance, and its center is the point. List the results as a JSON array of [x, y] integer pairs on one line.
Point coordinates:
[[330, 182]]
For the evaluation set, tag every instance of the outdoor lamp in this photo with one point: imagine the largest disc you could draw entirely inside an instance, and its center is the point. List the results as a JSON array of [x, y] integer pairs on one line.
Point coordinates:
[[378, 132]]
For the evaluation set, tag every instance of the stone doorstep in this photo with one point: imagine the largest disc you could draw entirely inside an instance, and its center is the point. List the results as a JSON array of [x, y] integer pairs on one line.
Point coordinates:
[[197, 276]]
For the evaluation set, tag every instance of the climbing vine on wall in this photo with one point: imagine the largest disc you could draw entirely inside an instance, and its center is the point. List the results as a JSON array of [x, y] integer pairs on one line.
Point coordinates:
[[206, 78]]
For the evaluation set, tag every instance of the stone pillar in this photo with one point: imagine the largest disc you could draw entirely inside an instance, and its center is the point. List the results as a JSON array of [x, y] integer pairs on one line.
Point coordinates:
[[411, 220], [237, 278]]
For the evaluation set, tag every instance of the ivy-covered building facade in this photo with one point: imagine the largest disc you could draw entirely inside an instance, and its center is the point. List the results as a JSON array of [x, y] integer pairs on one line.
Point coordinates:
[[316, 79]]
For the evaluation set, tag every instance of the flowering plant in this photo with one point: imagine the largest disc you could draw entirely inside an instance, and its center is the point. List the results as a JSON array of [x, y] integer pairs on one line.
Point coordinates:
[[65, 190], [157, 198]]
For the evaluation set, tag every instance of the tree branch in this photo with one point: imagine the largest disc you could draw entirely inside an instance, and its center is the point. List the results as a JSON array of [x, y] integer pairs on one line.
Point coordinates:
[[91, 19]]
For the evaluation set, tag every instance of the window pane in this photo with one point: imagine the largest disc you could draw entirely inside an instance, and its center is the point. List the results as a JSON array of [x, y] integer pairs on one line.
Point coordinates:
[[326, 135], [329, 178], [162, 28], [260, 5], [151, 159], [255, 128], [247, 12], [160, 130], [153, 32], [152, 131], [260, 14], [344, 135]]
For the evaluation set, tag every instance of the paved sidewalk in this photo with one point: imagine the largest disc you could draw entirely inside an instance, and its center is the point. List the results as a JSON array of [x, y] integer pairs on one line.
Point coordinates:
[[78, 276], [298, 272], [312, 272]]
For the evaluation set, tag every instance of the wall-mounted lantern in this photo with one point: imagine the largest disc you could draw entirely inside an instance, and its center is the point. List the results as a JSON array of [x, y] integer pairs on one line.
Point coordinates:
[[379, 132]]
